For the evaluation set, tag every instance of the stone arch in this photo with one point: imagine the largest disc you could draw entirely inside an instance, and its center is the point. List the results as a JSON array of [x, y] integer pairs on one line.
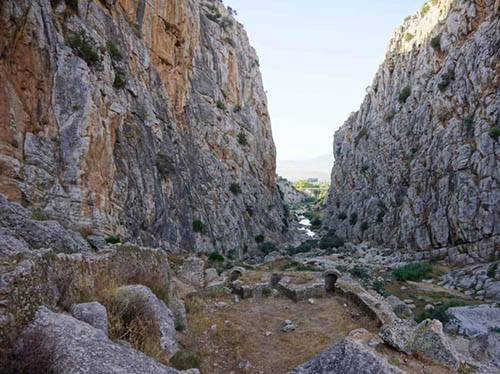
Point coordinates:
[[331, 277], [236, 273]]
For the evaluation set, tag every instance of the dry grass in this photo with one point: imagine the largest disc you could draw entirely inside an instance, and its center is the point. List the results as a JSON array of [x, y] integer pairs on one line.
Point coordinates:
[[129, 322], [37, 356], [241, 328]]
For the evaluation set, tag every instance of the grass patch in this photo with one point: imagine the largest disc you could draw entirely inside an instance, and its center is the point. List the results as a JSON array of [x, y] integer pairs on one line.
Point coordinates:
[[413, 272], [297, 266], [185, 359], [440, 312]]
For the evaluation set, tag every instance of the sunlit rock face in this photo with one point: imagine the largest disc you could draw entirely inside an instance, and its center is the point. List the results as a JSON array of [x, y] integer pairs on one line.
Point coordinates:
[[133, 118], [417, 166]]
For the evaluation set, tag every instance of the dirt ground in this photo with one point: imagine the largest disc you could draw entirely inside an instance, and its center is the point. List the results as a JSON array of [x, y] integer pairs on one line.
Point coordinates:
[[240, 332]]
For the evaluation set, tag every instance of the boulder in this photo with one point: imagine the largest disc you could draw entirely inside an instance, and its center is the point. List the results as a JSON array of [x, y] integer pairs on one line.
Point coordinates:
[[473, 320], [352, 355], [426, 339], [92, 313], [211, 275], [61, 344], [486, 348], [430, 341], [139, 300], [399, 307]]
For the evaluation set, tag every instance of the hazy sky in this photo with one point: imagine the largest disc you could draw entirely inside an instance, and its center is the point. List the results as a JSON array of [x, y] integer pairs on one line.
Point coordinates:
[[317, 57]]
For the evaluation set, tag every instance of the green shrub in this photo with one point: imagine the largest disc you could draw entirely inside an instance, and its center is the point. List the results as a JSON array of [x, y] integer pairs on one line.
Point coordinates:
[[413, 272], [409, 36], [198, 226], [302, 248], [235, 188], [331, 240], [84, 47], [364, 226], [404, 94], [362, 134], [230, 41], [364, 168], [221, 105], [120, 79], [425, 9], [436, 43], [267, 247], [242, 139], [389, 116], [495, 132], [215, 257], [114, 50], [439, 312], [164, 165], [359, 272], [495, 329], [353, 219], [342, 216], [379, 287], [492, 270], [72, 4], [316, 221], [185, 359], [446, 79], [112, 239], [179, 324], [266, 291], [260, 238]]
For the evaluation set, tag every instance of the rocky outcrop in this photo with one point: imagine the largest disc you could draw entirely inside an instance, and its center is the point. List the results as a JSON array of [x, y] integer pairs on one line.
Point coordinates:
[[352, 355], [417, 166], [60, 344], [137, 119], [289, 193], [473, 320], [58, 280]]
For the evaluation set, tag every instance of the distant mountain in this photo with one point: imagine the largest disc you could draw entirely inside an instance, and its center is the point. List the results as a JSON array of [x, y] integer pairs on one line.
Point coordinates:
[[319, 167]]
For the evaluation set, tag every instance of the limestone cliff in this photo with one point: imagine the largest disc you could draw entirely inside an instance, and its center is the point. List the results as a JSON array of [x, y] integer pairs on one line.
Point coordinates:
[[417, 167], [137, 118]]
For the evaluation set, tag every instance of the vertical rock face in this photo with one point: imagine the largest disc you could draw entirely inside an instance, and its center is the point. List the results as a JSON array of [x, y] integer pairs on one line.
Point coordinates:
[[137, 118], [417, 167]]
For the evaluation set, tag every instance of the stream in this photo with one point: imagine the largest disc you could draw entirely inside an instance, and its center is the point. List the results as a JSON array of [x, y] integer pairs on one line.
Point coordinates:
[[305, 223]]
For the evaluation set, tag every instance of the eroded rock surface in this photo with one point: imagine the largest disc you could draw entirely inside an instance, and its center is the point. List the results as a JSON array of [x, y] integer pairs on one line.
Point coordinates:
[[417, 165], [67, 345], [352, 355], [137, 119]]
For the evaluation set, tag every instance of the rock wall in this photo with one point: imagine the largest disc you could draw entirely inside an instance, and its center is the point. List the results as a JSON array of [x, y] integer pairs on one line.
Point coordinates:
[[290, 194], [417, 166], [134, 118]]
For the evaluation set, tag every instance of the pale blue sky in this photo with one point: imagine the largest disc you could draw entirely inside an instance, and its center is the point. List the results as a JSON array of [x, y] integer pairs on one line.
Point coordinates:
[[317, 57]]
